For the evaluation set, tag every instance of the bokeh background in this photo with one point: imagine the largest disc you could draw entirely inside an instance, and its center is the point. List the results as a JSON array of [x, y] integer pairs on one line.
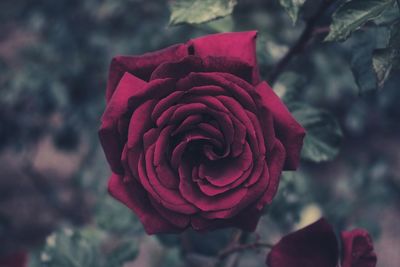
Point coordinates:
[[54, 58]]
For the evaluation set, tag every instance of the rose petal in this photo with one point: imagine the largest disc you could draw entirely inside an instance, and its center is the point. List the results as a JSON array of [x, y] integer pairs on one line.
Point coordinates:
[[177, 219], [190, 64], [167, 195], [209, 101], [240, 45], [252, 195], [287, 129], [275, 161], [179, 150], [226, 171], [358, 250], [178, 69], [165, 103], [167, 176], [109, 135], [139, 125], [169, 198], [223, 119], [134, 197], [166, 115], [312, 246], [220, 80], [155, 90], [187, 124], [212, 190], [192, 194], [141, 66], [208, 90]]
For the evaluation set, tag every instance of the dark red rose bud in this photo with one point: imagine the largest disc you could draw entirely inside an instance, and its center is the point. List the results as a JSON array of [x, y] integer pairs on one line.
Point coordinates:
[[316, 246], [14, 259], [312, 246], [192, 136], [358, 249]]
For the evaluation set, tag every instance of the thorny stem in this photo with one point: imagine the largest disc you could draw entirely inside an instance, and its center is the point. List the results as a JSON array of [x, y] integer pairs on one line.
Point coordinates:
[[243, 247], [229, 256], [238, 238], [299, 45]]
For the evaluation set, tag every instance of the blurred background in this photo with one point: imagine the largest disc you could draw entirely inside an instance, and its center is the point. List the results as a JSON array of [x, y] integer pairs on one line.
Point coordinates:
[[54, 58]]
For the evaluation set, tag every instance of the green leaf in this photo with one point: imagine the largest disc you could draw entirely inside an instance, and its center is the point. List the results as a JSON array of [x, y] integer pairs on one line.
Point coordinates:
[[225, 24], [71, 248], [292, 8], [199, 11], [382, 63], [353, 14], [386, 59], [323, 133], [361, 60]]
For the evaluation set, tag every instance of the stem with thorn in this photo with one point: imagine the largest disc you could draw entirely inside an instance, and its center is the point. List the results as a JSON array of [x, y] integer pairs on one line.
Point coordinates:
[[298, 47]]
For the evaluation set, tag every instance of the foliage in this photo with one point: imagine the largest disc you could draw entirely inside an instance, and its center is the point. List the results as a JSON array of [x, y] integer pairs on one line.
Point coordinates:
[[386, 59], [323, 132], [354, 14], [293, 8], [89, 247], [199, 11]]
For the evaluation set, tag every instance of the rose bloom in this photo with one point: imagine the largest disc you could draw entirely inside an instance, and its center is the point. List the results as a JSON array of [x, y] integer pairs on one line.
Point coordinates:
[[317, 246], [193, 137]]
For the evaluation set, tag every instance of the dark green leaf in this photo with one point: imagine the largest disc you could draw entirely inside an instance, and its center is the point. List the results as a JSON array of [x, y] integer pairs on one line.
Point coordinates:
[[199, 11], [70, 248], [384, 60], [225, 24], [323, 133], [361, 61], [353, 14], [382, 63], [292, 7]]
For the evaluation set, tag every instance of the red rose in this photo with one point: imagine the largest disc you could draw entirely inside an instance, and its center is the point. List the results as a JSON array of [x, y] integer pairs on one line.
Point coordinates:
[[193, 137], [316, 246], [358, 250]]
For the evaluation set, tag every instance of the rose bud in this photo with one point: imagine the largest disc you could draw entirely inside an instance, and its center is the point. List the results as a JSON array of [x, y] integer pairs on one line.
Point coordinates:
[[316, 246]]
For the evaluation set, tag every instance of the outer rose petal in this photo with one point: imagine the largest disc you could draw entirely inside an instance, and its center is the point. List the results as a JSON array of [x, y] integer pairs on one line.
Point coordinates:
[[312, 246], [275, 163], [117, 106], [182, 68], [15, 259], [241, 45], [141, 66], [287, 129], [134, 197], [358, 249]]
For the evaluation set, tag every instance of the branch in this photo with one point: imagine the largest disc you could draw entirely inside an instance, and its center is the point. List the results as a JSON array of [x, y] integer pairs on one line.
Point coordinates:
[[242, 247], [300, 44]]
